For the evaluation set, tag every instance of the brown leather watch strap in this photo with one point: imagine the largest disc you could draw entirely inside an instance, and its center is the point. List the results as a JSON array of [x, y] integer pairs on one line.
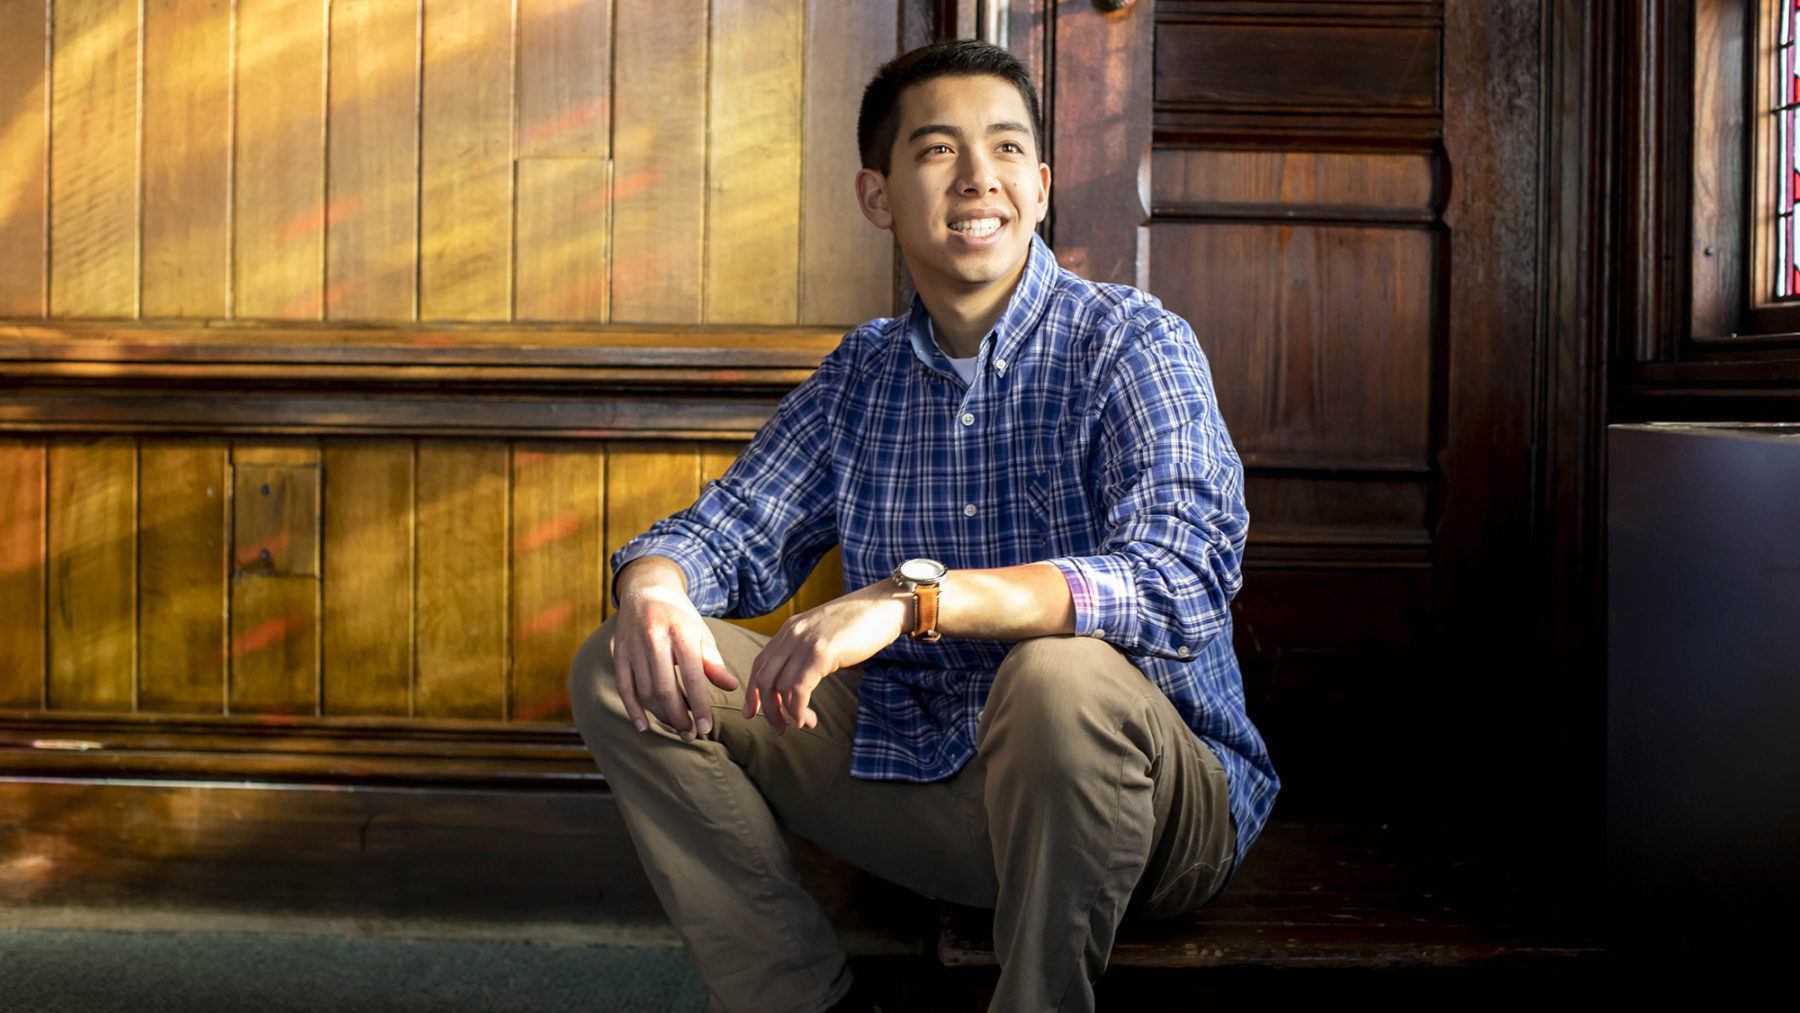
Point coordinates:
[[926, 618]]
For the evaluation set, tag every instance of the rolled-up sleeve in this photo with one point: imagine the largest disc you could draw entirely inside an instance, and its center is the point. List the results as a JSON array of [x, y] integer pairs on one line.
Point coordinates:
[[755, 534], [1168, 488]]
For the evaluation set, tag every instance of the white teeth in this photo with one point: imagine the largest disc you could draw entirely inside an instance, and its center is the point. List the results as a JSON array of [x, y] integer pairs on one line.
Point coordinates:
[[977, 227]]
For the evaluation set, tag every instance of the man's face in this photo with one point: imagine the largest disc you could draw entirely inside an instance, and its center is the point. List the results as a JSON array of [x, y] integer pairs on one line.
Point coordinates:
[[965, 187]]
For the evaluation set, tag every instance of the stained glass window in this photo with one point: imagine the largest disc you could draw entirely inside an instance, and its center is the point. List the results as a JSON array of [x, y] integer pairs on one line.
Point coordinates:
[[1787, 174]]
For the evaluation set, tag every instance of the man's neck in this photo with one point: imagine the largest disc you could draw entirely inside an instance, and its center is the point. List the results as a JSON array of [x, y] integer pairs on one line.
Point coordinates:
[[960, 321]]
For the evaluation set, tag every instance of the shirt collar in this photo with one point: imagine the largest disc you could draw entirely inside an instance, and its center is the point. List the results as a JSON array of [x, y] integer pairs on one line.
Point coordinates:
[[1023, 310]]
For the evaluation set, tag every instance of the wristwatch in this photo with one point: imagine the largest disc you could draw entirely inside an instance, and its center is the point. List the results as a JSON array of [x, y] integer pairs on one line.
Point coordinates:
[[922, 577]]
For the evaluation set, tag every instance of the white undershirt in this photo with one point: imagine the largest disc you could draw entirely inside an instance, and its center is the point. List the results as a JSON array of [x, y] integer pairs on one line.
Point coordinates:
[[965, 368]]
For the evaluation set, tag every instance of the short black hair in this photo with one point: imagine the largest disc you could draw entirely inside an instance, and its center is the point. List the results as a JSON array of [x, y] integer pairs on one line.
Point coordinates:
[[879, 121]]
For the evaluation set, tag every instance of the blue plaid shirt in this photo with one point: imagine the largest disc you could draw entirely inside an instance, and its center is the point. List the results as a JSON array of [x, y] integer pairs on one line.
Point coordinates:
[[1090, 438]]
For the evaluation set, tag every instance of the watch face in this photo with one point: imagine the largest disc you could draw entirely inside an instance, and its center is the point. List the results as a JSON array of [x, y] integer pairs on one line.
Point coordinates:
[[922, 571]]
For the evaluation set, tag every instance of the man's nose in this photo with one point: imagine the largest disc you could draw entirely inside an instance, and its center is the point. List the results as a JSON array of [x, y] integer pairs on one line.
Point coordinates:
[[978, 174]]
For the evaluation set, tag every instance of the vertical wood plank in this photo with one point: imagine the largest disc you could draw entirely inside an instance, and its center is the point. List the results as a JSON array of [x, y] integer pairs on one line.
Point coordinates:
[[183, 568], [371, 227], [22, 574], [564, 63], [462, 555], [753, 163], [92, 587], [368, 582], [846, 264], [645, 482], [465, 210], [93, 160], [562, 239], [275, 579], [659, 185], [557, 560], [24, 164], [279, 260], [1099, 214], [187, 131], [714, 460]]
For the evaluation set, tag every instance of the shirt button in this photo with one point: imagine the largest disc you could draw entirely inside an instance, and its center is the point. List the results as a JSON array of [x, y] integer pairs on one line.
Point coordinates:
[[969, 510], [1181, 652], [968, 419], [1098, 632], [1000, 364]]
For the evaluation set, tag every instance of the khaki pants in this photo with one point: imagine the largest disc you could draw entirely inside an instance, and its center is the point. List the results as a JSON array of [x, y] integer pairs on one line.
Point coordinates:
[[1089, 796]]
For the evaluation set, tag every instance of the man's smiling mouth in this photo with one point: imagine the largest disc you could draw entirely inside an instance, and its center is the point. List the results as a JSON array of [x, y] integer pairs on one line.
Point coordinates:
[[977, 227]]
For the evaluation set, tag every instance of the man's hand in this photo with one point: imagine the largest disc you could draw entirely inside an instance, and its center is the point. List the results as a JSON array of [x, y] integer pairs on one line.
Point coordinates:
[[810, 646], [662, 650]]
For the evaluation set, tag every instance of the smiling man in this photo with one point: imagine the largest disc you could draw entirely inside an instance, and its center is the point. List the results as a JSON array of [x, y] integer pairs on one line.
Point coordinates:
[[1029, 701]]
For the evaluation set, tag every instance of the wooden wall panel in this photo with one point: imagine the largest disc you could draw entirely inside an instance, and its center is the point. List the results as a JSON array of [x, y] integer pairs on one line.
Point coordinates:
[[753, 162], [562, 239], [187, 156], [24, 163], [279, 196], [846, 265], [22, 573], [94, 159], [462, 573], [465, 208], [659, 184], [275, 579], [1319, 65], [1301, 380], [92, 582], [183, 574], [1338, 179], [369, 578], [371, 222], [565, 51], [558, 554], [645, 481]]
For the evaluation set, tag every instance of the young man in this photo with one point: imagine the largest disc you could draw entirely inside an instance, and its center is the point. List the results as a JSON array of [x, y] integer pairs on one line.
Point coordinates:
[[1029, 700]]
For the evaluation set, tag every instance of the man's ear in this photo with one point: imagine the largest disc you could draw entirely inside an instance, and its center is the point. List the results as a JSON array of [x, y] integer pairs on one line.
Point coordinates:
[[1043, 201], [871, 196]]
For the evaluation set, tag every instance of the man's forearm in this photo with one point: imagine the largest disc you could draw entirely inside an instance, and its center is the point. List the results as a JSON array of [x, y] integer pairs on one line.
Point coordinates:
[[1009, 603], [646, 572]]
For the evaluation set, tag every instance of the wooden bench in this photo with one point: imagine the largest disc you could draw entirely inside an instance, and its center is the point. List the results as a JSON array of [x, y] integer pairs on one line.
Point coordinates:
[[1334, 896]]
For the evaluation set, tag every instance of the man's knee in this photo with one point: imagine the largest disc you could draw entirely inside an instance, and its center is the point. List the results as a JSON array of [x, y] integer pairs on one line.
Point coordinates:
[[1061, 689], [593, 688]]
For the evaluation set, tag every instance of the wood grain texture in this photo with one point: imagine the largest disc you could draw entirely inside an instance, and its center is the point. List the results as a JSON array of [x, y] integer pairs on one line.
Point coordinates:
[[714, 460], [659, 178], [371, 226], [275, 578], [462, 567], [1297, 372], [93, 159], [562, 239], [1720, 256], [278, 264], [645, 482], [564, 69], [1101, 136], [465, 207], [846, 265], [183, 575], [92, 582], [1359, 179], [187, 155], [1301, 65], [23, 571], [24, 158], [558, 555], [753, 162], [368, 577]]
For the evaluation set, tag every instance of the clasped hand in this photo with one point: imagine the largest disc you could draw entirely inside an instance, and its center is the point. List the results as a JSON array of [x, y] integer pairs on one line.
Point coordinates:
[[665, 655]]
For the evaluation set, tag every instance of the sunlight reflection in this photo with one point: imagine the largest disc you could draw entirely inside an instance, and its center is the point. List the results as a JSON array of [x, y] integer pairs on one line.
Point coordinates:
[[272, 632]]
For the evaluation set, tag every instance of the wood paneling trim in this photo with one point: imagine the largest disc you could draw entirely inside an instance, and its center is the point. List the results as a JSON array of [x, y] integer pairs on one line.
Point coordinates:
[[1292, 214], [711, 348], [1311, 66], [1311, 12]]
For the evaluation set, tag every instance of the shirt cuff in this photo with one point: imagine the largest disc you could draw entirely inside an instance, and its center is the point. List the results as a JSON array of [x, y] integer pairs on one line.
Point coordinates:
[[707, 594], [1105, 596]]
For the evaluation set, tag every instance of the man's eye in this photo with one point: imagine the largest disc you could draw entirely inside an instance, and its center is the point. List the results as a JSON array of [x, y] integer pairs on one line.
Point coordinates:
[[938, 149], [1011, 148]]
